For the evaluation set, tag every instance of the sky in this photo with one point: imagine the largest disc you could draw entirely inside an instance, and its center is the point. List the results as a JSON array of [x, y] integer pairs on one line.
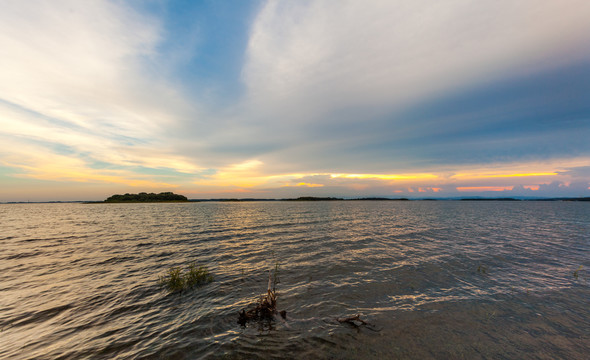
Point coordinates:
[[275, 99]]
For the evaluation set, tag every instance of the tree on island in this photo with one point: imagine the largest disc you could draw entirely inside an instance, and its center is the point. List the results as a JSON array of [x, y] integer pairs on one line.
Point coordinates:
[[145, 197]]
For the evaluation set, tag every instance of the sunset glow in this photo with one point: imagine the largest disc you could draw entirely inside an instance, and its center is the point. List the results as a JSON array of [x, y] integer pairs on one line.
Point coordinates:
[[484, 188], [385, 176], [483, 176]]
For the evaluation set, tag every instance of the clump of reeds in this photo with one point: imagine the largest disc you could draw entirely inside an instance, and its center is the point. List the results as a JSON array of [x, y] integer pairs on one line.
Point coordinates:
[[482, 269], [577, 271], [176, 280]]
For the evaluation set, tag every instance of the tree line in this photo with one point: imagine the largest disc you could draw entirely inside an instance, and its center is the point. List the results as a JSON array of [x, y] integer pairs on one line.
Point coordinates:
[[145, 197]]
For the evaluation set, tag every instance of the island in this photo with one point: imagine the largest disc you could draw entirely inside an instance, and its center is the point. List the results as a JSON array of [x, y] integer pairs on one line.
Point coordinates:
[[145, 197]]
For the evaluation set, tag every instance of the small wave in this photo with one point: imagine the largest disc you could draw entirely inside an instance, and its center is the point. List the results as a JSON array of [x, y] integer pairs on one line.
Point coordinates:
[[23, 255], [431, 270], [116, 260], [34, 317]]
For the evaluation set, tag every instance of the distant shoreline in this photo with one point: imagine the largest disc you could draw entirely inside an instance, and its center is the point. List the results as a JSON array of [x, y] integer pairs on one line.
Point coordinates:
[[303, 199]]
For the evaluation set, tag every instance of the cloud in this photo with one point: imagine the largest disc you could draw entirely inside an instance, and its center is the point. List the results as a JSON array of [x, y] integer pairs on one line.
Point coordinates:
[[577, 172], [78, 75], [346, 86], [249, 177], [327, 54]]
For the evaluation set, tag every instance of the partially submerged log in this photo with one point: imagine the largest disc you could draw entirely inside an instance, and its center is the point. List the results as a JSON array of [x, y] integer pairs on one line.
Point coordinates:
[[357, 322], [352, 320], [266, 309]]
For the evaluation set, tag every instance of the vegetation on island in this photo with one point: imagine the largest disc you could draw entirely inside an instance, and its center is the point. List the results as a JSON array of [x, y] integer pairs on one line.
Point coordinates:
[[145, 197], [489, 199], [313, 198], [382, 199], [176, 280]]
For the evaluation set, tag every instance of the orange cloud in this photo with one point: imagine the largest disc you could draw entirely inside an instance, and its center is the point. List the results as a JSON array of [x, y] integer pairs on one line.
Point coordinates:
[[484, 188], [492, 175], [309, 185], [419, 176], [220, 193], [65, 169]]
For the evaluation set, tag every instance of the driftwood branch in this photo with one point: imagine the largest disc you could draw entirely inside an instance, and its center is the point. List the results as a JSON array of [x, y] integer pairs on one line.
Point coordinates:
[[266, 309], [356, 321], [352, 320]]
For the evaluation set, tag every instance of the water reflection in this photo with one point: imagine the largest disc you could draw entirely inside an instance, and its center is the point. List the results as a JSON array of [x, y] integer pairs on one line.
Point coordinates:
[[81, 280]]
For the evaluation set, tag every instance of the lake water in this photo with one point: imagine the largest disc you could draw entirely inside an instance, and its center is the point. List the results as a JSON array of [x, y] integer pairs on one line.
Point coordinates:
[[435, 279]]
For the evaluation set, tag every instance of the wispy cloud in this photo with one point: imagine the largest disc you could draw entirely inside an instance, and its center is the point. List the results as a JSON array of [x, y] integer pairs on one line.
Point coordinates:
[[347, 86], [78, 75], [327, 54]]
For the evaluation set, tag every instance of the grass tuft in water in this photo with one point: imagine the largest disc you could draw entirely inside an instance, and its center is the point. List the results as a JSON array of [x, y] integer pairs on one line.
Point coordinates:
[[197, 275], [176, 280], [577, 271], [482, 269]]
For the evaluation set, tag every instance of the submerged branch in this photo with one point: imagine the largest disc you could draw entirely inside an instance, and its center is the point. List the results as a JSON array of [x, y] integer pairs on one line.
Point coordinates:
[[266, 309]]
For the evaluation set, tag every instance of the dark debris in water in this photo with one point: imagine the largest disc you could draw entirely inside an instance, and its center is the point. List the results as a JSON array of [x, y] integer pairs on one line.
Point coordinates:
[[265, 309], [482, 269], [356, 322]]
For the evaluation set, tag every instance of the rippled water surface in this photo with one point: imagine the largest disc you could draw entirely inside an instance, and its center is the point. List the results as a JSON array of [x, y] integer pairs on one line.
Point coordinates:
[[444, 279]]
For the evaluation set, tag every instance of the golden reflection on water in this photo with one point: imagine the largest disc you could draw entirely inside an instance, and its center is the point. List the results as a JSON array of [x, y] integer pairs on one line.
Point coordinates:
[[82, 279]]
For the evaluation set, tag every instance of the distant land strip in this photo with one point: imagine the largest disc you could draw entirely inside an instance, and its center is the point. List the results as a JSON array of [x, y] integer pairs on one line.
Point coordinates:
[[314, 198], [171, 197]]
